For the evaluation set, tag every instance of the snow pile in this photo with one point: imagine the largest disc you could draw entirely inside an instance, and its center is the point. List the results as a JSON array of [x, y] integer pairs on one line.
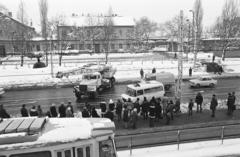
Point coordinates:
[[196, 149]]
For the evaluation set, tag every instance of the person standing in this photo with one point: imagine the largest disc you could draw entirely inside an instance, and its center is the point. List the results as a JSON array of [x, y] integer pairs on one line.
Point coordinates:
[[141, 73], [134, 118], [213, 105], [151, 114], [70, 105], [145, 107], [199, 101], [125, 116], [119, 107], [3, 112], [234, 100], [69, 112], [158, 110], [137, 105], [190, 71], [24, 111], [39, 111], [94, 113], [103, 108], [190, 106], [85, 113], [154, 70], [33, 112], [53, 111], [62, 110]]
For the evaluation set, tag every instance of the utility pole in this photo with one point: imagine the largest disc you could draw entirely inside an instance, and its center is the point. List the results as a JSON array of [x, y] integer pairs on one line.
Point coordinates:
[[194, 32], [180, 63]]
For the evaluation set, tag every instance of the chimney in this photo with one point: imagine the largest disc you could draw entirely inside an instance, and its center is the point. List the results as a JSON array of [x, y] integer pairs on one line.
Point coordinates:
[[10, 14]]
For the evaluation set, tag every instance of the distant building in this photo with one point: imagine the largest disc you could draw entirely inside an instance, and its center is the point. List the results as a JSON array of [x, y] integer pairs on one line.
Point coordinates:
[[87, 33], [14, 36]]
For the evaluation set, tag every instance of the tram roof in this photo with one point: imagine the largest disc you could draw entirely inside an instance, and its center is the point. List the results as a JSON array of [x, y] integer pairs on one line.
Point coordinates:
[[16, 133]]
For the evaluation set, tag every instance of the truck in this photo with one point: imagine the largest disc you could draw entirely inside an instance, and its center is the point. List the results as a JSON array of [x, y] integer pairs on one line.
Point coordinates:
[[166, 78], [94, 81]]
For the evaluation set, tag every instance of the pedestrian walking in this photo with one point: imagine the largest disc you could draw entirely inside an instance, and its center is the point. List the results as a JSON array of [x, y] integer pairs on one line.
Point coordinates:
[[190, 71], [24, 111], [125, 116], [230, 104], [199, 101], [142, 73], [53, 111], [119, 107], [3, 112], [62, 110], [103, 108], [33, 111], [154, 70], [190, 107], [39, 111], [145, 107], [133, 118], [213, 105]]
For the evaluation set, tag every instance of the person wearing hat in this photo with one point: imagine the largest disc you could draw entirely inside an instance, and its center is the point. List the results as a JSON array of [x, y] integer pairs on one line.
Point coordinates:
[[111, 105], [103, 108]]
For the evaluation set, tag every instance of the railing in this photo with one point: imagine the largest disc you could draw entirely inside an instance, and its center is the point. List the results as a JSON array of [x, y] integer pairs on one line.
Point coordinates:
[[181, 136]]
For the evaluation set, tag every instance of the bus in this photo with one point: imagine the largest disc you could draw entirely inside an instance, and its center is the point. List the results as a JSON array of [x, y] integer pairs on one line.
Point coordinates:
[[57, 137], [143, 89]]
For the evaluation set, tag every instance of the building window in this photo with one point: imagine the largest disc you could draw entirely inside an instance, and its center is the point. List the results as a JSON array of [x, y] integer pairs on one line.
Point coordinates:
[[89, 46], [112, 46], [128, 46], [120, 32], [38, 48], [120, 46]]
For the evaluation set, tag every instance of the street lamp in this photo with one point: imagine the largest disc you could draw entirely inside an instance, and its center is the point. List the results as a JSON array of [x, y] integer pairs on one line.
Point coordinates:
[[195, 37]]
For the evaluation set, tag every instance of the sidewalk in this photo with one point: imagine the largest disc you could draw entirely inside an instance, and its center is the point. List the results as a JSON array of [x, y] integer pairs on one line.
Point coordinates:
[[182, 121]]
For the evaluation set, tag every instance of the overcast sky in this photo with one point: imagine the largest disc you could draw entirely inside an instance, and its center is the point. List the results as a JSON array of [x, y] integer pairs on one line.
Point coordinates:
[[157, 10]]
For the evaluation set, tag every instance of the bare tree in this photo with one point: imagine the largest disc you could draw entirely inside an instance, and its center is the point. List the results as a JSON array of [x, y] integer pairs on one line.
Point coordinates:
[[227, 26], [108, 32], [43, 8], [21, 13], [3, 9], [198, 10], [144, 28]]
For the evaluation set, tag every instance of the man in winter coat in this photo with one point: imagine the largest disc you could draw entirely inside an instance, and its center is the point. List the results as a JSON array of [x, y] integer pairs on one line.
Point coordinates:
[[125, 116], [53, 111], [33, 112], [134, 118], [151, 114], [3, 112], [145, 107], [190, 106], [142, 73], [119, 107], [103, 108], [158, 110], [230, 103], [94, 113], [69, 112], [24, 111], [85, 113], [199, 101], [70, 105], [213, 105], [137, 105], [62, 110]]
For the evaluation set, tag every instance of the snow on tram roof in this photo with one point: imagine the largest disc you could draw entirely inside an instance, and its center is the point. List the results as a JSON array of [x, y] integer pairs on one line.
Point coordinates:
[[57, 130]]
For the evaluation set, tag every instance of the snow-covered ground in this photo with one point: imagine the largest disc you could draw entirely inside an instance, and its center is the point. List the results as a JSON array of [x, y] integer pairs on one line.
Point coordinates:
[[214, 148]]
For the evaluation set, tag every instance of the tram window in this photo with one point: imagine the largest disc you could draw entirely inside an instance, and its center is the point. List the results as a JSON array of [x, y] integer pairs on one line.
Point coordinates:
[[80, 152], [67, 153], [33, 154], [59, 154], [106, 149], [2, 156], [87, 151]]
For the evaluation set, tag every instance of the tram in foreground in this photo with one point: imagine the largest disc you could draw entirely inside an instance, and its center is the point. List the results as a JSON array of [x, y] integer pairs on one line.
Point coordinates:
[[57, 137]]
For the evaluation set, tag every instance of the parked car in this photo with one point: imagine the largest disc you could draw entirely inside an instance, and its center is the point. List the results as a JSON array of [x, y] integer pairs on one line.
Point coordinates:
[[203, 82], [1, 91]]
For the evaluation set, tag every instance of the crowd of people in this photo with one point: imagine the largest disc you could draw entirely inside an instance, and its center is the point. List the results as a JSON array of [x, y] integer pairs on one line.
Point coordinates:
[[127, 111]]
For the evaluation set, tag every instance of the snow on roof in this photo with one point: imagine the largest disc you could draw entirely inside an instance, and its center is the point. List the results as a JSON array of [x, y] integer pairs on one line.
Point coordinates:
[[82, 21], [145, 84], [56, 129]]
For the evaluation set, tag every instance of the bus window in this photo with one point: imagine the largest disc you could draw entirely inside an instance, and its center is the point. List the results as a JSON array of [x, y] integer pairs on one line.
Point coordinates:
[[59, 154], [87, 151], [35, 154], [131, 92], [80, 152], [106, 149], [139, 92], [67, 153]]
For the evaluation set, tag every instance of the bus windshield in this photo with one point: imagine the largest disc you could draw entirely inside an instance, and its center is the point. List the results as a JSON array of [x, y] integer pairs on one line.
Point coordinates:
[[106, 149], [90, 77], [131, 92]]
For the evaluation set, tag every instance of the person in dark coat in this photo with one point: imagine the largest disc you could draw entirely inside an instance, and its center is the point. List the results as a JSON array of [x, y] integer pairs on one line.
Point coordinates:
[[33, 112], [24, 111], [213, 105], [145, 107], [53, 111], [3, 112], [170, 108], [177, 106], [151, 113], [137, 105], [133, 118], [158, 110], [234, 100], [230, 103], [109, 115], [111, 105], [125, 116], [190, 106], [70, 105], [39, 111], [119, 107], [141, 73], [69, 112], [62, 110], [154, 70], [103, 108], [199, 101], [85, 113], [94, 113], [190, 71]]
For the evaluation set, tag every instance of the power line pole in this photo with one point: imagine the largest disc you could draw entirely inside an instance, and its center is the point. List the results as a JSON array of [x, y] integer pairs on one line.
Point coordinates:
[[180, 63]]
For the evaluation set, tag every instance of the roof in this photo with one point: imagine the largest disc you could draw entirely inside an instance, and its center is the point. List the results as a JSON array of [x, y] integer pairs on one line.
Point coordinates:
[[145, 85], [82, 21], [76, 129]]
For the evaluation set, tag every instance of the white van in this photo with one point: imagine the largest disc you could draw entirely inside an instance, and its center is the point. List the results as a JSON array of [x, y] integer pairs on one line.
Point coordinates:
[[146, 89]]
